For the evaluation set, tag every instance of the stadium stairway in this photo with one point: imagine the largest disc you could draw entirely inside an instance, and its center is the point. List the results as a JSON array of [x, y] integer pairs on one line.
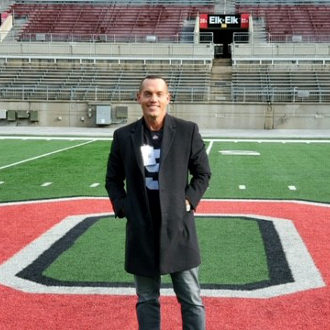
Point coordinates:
[[259, 30], [221, 76], [224, 7]]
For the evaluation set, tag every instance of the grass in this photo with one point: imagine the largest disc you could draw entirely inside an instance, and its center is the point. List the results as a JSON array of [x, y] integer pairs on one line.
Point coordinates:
[[15, 150], [73, 171], [228, 257], [268, 176]]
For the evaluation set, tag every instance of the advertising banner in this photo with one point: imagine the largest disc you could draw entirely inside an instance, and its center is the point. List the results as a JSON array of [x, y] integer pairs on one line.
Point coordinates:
[[213, 21]]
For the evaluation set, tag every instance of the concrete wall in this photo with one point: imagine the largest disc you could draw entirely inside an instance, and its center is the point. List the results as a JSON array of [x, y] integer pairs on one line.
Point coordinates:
[[256, 116], [220, 115], [120, 51]]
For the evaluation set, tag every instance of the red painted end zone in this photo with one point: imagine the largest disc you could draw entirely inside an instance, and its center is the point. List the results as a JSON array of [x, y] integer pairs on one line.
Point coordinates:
[[22, 223]]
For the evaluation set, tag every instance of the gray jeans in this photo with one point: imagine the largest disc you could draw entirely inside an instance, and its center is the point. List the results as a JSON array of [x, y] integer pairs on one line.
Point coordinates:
[[187, 290]]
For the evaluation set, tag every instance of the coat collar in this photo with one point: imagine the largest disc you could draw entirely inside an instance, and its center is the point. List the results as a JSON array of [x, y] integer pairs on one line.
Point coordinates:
[[169, 130]]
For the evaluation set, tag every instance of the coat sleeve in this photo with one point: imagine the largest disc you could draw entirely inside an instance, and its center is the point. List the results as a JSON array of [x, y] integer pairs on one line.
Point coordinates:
[[199, 170], [115, 178]]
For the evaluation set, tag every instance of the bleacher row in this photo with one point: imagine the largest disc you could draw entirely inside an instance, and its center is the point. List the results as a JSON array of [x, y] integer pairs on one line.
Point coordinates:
[[42, 80], [108, 19], [287, 83]]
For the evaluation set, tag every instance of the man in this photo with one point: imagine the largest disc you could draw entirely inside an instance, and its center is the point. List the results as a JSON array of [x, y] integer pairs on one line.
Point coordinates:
[[147, 182]]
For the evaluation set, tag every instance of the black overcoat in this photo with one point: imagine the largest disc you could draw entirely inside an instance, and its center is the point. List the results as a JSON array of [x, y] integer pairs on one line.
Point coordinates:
[[182, 153]]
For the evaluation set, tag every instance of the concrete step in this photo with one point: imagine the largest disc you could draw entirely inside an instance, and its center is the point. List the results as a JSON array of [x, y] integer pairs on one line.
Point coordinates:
[[221, 62]]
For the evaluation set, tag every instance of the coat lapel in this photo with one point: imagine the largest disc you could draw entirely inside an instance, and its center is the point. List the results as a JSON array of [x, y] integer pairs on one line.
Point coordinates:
[[168, 137], [137, 140]]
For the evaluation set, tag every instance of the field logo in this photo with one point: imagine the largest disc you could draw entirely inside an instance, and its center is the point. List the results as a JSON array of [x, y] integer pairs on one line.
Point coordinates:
[[282, 223]]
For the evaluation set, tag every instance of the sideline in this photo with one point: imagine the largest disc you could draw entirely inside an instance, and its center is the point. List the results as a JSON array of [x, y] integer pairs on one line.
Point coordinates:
[[107, 132], [206, 139]]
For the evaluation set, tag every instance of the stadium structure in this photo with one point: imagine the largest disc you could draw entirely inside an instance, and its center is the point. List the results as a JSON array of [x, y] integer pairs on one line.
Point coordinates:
[[248, 64]]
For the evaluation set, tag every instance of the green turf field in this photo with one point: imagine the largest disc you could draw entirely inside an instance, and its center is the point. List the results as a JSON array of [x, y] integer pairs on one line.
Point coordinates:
[[225, 255], [233, 249], [80, 171], [268, 176]]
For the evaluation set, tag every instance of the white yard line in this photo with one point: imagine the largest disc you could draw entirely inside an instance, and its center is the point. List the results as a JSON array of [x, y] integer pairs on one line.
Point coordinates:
[[46, 184], [209, 147], [45, 155]]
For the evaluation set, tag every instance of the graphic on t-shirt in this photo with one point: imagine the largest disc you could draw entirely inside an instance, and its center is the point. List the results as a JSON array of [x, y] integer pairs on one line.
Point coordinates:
[[151, 158]]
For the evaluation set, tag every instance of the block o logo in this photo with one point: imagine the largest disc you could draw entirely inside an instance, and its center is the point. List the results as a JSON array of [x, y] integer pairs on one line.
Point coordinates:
[[285, 224]]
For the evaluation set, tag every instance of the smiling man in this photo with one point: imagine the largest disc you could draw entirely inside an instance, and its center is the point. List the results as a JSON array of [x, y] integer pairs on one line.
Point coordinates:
[[147, 182], [154, 97]]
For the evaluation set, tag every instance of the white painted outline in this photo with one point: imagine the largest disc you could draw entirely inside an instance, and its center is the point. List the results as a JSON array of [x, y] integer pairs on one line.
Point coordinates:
[[55, 200], [303, 269], [45, 155]]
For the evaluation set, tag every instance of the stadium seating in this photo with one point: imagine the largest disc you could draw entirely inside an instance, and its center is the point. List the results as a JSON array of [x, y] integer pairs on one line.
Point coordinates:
[[294, 20], [98, 81], [286, 83], [116, 80], [103, 21]]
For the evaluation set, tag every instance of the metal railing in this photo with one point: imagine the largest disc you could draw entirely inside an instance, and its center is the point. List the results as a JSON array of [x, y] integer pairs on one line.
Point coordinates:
[[247, 37], [185, 95], [93, 93], [183, 37], [274, 48], [135, 2], [277, 95], [280, 2]]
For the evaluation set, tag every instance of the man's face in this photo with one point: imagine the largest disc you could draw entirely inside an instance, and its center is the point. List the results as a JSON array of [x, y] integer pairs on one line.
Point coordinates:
[[154, 98]]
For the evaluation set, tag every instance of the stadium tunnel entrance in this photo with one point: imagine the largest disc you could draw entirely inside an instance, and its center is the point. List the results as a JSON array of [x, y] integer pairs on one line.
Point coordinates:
[[223, 28]]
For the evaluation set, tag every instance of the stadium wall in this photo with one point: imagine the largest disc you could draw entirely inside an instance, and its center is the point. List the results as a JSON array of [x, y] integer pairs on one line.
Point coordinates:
[[215, 116], [106, 51], [271, 53]]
